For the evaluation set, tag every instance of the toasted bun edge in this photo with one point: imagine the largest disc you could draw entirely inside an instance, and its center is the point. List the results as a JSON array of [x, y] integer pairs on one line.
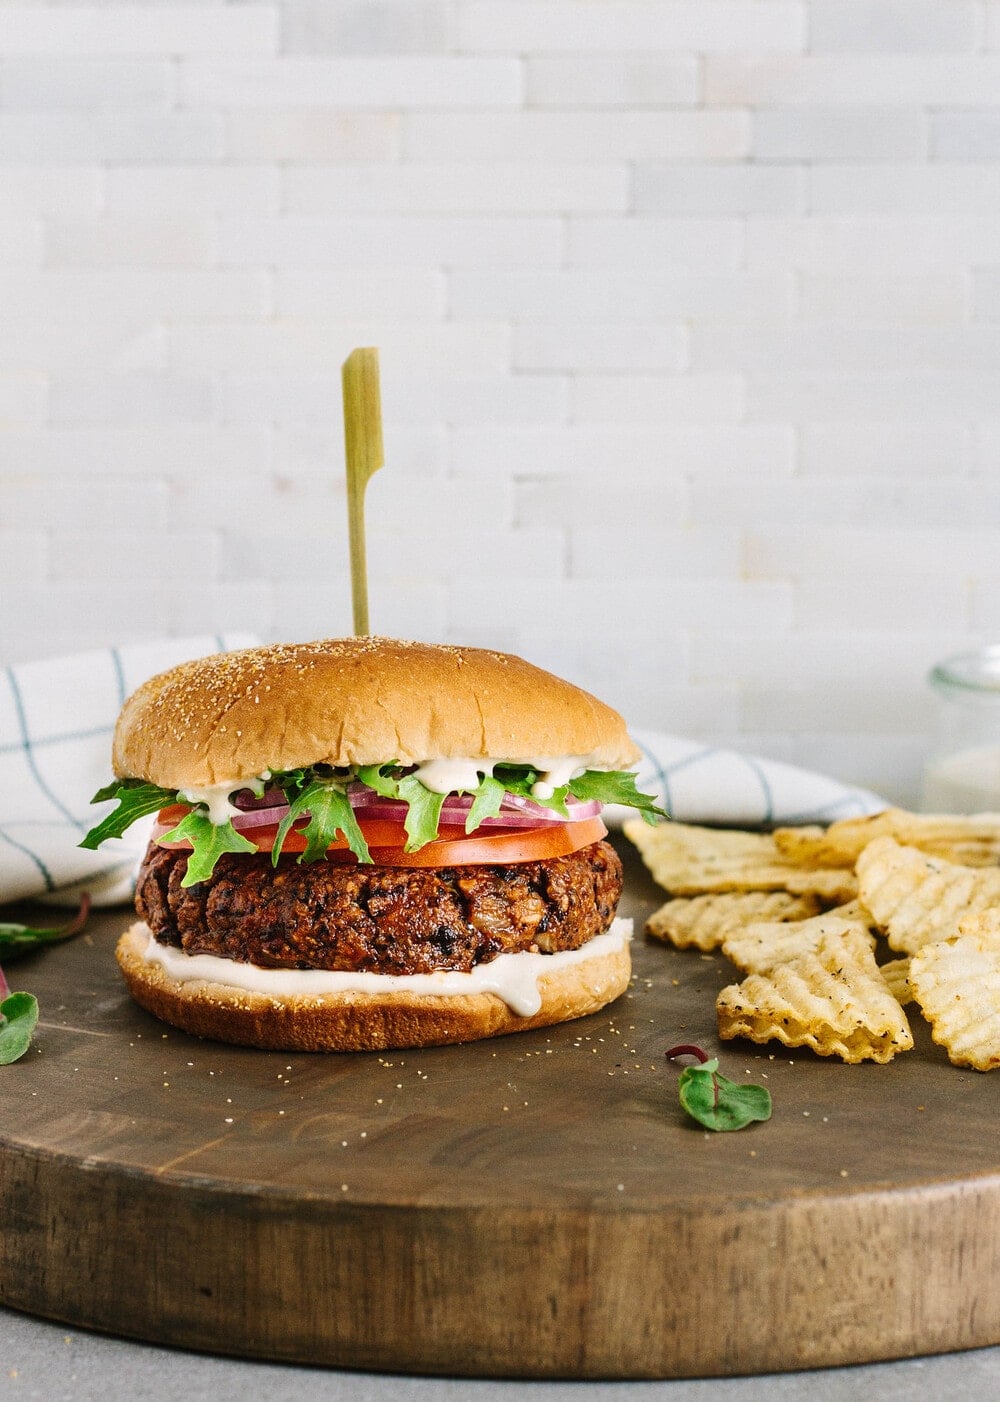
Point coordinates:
[[361, 1021]]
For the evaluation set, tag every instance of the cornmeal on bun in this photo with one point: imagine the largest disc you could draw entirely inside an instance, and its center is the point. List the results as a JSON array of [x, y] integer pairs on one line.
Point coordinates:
[[366, 843]]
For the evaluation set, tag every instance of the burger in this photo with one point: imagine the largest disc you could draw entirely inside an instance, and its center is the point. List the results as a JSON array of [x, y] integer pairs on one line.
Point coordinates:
[[366, 843]]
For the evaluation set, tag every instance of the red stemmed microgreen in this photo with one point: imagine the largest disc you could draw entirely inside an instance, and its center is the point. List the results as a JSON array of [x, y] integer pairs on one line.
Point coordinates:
[[19, 939], [712, 1099], [19, 1011]]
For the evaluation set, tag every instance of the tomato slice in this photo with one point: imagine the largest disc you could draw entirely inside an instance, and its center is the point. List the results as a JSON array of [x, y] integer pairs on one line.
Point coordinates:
[[501, 846], [452, 847]]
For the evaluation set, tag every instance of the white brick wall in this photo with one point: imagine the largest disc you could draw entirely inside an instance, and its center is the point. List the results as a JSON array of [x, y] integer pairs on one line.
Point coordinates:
[[688, 312]]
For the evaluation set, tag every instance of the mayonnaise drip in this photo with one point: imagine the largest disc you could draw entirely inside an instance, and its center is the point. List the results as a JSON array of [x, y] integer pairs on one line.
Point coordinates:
[[215, 797], [454, 775], [554, 772], [512, 977]]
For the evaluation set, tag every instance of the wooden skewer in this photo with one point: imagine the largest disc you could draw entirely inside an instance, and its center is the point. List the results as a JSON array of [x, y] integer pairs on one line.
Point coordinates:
[[363, 445]]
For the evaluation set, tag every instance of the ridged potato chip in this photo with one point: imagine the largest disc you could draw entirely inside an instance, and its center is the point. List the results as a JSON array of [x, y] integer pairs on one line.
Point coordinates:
[[760, 947], [702, 922], [897, 975], [917, 899], [957, 984], [971, 841], [985, 925], [692, 861], [833, 1000]]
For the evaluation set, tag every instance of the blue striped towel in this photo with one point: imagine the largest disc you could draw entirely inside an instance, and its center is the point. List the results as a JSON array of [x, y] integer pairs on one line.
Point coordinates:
[[57, 718], [699, 783], [56, 721]]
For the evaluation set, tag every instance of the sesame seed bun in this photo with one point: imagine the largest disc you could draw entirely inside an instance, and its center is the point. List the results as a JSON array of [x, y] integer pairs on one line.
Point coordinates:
[[361, 1020], [352, 701]]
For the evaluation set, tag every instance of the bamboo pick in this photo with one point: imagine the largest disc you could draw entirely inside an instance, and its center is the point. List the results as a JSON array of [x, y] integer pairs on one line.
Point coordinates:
[[363, 445]]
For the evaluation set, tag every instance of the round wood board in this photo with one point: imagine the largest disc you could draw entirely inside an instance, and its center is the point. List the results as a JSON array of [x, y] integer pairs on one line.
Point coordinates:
[[536, 1205]]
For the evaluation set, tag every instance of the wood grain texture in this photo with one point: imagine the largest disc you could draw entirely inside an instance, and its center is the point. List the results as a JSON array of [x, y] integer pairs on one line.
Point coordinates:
[[530, 1206]]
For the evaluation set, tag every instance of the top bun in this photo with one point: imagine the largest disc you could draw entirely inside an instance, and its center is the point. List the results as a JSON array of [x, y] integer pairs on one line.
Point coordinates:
[[346, 701]]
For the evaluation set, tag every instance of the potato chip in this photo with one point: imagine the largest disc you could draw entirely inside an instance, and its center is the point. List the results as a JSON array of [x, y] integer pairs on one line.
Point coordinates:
[[759, 947], [692, 861], [971, 841], [917, 899], [833, 1000], [985, 925], [957, 984], [897, 975], [702, 922]]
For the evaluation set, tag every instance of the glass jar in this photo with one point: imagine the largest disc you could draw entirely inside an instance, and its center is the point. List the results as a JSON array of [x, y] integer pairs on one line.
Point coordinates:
[[962, 774]]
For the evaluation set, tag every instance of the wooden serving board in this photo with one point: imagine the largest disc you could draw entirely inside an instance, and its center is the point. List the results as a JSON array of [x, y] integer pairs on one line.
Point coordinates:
[[531, 1206]]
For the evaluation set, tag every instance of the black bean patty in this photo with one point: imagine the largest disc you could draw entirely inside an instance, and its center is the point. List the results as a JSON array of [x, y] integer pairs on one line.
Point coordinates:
[[388, 920]]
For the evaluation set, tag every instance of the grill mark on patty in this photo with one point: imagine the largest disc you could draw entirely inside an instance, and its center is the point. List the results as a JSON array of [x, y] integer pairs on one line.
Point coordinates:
[[391, 920]]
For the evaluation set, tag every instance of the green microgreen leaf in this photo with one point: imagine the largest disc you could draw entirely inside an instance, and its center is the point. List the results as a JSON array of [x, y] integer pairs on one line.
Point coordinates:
[[423, 812], [520, 779], [18, 939], [715, 1101], [330, 810], [516, 778], [209, 841], [330, 813], [19, 1011], [486, 802], [18, 1018], [377, 778], [423, 815], [615, 786], [292, 781], [136, 799]]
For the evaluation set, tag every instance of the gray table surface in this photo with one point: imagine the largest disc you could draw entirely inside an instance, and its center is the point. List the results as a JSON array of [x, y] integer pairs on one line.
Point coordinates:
[[45, 1362]]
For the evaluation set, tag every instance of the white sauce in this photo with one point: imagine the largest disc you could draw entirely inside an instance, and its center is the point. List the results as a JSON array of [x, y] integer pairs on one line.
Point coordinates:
[[554, 772], [215, 797], [512, 977], [439, 775], [451, 775]]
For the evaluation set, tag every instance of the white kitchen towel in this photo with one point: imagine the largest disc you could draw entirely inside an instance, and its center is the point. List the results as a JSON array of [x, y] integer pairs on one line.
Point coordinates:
[[56, 722], [699, 783]]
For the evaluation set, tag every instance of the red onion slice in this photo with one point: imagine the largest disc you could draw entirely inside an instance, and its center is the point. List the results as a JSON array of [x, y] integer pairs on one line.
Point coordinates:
[[577, 808], [259, 817], [454, 815], [515, 811], [242, 822], [247, 802]]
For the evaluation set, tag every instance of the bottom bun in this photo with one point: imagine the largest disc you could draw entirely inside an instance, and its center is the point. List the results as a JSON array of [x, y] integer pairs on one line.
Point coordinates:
[[570, 985]]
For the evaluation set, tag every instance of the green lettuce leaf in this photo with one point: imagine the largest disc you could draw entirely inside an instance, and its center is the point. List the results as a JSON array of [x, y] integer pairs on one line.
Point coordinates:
[[376, 778], [136, 799], [330, 812], [423, 815], [520, 779], [616, 786], [209, 841], [486, 802], [516, 778], [423, 812], [292, 781], [312, 791]]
